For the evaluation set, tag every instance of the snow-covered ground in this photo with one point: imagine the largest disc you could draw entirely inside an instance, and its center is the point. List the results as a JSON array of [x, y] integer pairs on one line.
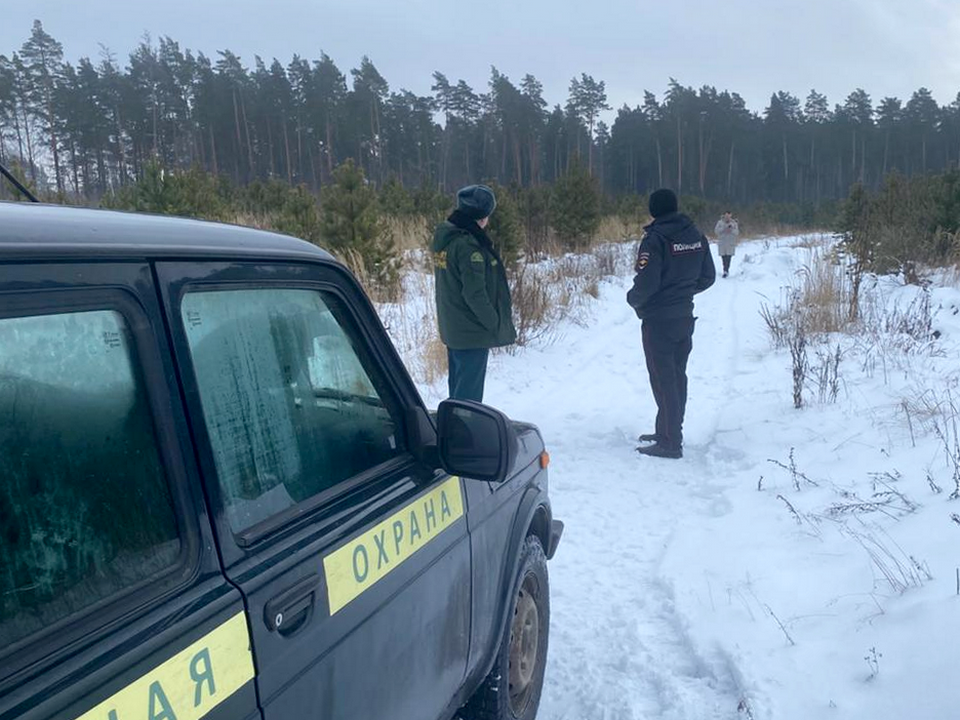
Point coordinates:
[[725, 585]]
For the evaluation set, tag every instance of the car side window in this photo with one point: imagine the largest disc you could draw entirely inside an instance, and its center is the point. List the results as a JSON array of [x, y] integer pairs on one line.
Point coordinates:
[[291, 403], [85, 509]]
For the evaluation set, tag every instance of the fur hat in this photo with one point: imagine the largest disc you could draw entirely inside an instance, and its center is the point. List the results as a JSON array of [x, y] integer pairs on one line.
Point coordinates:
[[476, 201]]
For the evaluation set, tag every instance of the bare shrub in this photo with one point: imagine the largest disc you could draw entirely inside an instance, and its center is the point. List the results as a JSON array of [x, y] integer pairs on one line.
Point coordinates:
[[886, 500], [915, 321], [812, 309], [548, 292], [613, 259], [945, 428], [797, 341], [532, 304], [872, 658], [777, 320], [795, 475], [826, 374]]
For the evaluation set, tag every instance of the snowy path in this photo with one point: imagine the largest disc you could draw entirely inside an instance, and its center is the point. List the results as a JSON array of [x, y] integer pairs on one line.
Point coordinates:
[[620, 649]]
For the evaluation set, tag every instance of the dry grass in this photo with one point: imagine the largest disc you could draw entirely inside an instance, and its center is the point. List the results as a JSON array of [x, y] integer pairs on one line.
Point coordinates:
[[883, 333], [251, 220], [433, 360], [818, 301], [812, 241], [615, 259], [824, 294], [950, 276], [754, 230], [561, 288], [933, 410], [385, 286], [616, 228], [535, 304], [408, 232], [412, 324], [546, 294]]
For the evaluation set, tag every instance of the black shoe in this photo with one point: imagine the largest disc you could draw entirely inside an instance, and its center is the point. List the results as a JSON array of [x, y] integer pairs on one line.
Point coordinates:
[[649, 438], [725, 274], [661, 451]]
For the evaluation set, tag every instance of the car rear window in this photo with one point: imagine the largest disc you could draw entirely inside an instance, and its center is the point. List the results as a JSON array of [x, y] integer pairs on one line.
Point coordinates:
[[85, 509]]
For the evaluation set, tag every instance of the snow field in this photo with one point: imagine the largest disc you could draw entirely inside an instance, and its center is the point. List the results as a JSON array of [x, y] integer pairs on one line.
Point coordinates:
[[725, 585]]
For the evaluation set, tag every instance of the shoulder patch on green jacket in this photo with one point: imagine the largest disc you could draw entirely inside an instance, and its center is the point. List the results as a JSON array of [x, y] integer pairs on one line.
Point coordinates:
[[477, 257]]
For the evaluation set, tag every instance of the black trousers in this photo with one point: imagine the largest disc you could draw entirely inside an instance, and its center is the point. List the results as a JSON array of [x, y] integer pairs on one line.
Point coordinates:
[[726, 262], [467, 373], [666, 346]]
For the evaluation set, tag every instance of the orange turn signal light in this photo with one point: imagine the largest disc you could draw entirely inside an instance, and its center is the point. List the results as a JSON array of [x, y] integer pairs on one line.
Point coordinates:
[[544, 459]]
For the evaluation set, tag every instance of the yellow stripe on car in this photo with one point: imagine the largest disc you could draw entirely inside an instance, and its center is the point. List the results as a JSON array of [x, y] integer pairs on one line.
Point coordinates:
[[191, 683], [366, 559]]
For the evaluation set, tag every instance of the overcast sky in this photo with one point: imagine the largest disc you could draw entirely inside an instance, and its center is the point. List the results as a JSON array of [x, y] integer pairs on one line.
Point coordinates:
[[888, 47]]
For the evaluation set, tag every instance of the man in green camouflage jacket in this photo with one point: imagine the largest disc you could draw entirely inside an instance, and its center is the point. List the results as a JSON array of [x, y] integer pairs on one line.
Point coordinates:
[[474, 310]]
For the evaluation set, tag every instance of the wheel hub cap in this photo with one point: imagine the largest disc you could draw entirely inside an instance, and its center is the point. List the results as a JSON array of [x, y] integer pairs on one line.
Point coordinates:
[[524, 647]]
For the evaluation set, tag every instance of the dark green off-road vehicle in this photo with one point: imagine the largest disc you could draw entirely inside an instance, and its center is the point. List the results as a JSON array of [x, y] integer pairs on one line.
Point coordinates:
[[221, 495]]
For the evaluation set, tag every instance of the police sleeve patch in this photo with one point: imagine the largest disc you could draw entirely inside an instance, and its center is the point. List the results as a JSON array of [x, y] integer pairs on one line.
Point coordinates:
[[477, 257], [643, 259]]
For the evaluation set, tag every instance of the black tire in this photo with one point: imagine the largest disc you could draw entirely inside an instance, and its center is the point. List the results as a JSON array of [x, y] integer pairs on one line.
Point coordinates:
[[512, 689]]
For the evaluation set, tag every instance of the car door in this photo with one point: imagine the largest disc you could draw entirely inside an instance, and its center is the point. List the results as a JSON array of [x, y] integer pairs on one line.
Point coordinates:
[[499, 517], [354, 561], [112, 601]]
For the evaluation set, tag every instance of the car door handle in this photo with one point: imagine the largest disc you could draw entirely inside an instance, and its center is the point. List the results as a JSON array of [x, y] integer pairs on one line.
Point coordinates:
[[289, 610]]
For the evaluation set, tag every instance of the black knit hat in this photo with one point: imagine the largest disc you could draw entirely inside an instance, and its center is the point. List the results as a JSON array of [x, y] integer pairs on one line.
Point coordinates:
[[476, 201], [663, 202]]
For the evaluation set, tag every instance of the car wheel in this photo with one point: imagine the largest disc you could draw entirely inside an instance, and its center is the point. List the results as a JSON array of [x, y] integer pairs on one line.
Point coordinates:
[[512, 689]]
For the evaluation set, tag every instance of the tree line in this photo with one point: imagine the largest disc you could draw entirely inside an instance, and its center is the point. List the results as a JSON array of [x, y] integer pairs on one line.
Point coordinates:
[[90, 128]]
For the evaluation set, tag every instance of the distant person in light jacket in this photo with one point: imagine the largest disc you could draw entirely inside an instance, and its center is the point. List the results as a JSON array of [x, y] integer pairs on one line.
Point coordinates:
[[727, 231]]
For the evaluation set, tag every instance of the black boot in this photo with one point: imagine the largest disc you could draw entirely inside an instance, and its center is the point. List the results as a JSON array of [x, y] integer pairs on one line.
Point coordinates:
[[661, 451], [649, 438]]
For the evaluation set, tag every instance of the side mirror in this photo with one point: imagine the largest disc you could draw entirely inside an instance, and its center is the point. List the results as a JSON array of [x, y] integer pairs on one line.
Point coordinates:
[[475, 441]]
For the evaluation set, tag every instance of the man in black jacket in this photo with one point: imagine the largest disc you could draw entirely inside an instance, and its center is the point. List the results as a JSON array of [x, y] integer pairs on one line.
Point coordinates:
[[673, 264]]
